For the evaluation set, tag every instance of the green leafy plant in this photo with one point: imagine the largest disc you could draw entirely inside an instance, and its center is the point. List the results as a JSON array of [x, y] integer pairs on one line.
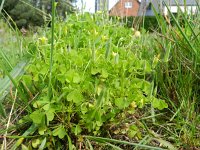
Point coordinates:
[[96, 78]]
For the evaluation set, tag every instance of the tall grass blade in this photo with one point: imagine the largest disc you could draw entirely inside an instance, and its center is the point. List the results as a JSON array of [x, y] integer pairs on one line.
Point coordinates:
[[105, 140], [5, 83], [1, 7], [29, 131], [70, 146], [89, 144], [165, 143], [52, 48], [198, 6], [179, 28], [2, 111], [16, 86], [186, 20], [164, 27], [42, 146], [113, 146], [5, 58], [145, 140], [161, 21]]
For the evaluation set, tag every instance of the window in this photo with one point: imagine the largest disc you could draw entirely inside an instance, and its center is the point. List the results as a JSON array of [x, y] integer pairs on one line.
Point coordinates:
[[128, 4]]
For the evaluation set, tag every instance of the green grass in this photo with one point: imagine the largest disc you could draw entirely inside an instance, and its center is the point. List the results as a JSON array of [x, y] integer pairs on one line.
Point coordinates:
[[92, 83], [177, 78]]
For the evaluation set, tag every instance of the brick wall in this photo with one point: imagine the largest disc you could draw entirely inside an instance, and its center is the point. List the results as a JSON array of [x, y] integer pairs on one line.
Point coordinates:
[[120, 10]]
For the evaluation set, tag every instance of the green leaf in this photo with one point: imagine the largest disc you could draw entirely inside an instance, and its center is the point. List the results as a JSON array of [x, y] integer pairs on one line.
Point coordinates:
[[134, 131], [28, 80], [76, 78], [17, 144], [160, 104], [41, 102], [95, 71], [35, 143], [84, 108], [29, 131], [42, 146], [146, 87], [70, 143], [37, 117], [42, 129], [104, 73], [75, 96], [24, 147], [61, 78], [46, 107], [119, 102], [50, 114], [60, 132], [70, 75], [77, 129], [62, 68]]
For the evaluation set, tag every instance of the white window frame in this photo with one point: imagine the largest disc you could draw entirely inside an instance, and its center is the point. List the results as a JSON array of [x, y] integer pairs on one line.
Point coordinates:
[[128, 4]]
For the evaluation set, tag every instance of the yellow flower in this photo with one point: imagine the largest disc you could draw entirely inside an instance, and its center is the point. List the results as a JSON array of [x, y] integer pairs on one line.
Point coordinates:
[[65, 30], [95, 33], [104, 37], [114, 54], [137, 34], [133, 105], [43, 40], [90, 105], [155, 61], [118, 18]]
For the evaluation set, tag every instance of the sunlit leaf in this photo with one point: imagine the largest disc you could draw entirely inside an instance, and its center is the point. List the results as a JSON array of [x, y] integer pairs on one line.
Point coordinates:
[[119, 102], [37, 116], [35, 143], [42, 130], [50, 114], [42, 146], [160, 104], [75, 96], [24, 147], [60, 132]]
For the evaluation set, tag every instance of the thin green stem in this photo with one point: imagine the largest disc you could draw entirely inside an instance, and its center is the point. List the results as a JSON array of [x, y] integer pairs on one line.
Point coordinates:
[[1, 7], [105, 140], [179, 27], [52, 49]]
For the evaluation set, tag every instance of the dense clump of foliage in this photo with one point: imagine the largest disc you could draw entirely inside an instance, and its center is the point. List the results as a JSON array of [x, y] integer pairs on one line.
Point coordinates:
[[106, 86], [95, 80], [98, 81]]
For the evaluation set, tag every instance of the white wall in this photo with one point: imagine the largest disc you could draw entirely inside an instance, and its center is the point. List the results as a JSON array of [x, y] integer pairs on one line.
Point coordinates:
[[174, 9], [112, 3], [86, 5]]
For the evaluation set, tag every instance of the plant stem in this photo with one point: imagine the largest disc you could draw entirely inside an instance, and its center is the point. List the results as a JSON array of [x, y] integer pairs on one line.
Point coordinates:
[[8, 123], [1, 7], [52, 49]]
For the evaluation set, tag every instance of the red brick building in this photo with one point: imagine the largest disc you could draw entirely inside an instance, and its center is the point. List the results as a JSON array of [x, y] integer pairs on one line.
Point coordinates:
[[125, 8]]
